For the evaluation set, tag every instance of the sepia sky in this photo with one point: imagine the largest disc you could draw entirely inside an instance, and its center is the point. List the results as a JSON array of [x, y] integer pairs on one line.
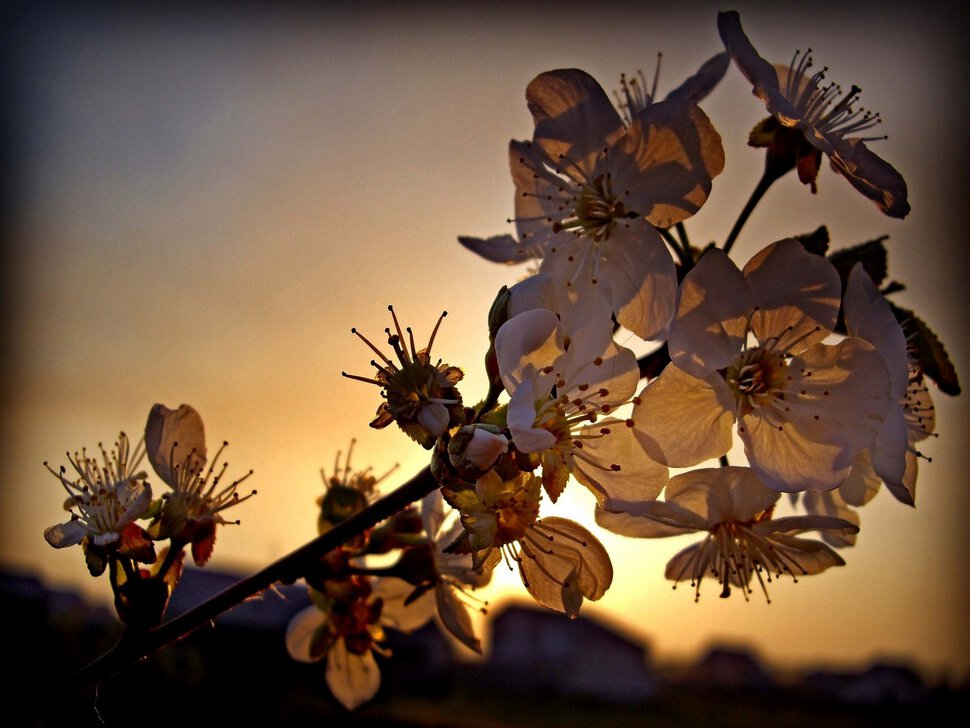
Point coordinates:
[[202, 203]]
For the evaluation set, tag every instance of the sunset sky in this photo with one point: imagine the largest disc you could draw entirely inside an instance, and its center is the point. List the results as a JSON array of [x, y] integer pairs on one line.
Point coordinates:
[[202, 203]]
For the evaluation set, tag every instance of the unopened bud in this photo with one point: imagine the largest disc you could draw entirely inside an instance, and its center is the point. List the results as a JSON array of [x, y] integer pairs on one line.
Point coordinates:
[[476, 448]]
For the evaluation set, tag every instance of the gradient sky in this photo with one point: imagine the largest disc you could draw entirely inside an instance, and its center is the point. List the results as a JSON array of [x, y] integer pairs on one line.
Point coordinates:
[[205, 202]]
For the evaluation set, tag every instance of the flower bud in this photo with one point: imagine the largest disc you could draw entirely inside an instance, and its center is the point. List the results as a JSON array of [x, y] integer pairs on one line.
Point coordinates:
[[475, 448]]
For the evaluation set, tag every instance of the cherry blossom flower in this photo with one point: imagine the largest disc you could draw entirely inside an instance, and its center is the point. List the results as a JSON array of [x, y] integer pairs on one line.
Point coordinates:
[[348, 630], [590, 189], [346, 491], [746, 348], [560, 562], [563, 404], [419, 395], [822, 117], [105, 499], [175, 441], [909, 416], [744, 541], [454, 575]]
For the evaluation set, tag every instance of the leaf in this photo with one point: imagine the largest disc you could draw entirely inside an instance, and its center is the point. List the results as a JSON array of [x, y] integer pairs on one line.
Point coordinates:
[[816, 242], [932, 357], [871, 254]]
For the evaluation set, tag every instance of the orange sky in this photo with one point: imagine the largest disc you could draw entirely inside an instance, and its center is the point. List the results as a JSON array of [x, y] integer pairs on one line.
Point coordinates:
[[205, 204]]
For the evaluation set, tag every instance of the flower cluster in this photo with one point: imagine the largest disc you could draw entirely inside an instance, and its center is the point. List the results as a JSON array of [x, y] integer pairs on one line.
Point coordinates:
[[107, 499], [354, 600], [797, 357]]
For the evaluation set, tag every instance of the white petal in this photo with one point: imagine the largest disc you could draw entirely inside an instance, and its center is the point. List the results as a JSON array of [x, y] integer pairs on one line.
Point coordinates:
[[637, 478], [353, 679], [561, 562], [638, 278], [652, 519], [520, 418], [721, 495], [432, 513], [712, 316], [573, 117], [174, 439], [525, 344], [69, 533], [300, 632], [434, 418], [873, 176], [404, 617], [831, 504], [698, 86], [689, 419], [862, 484], [756, 69], [454, 616], [797, 294], [888, 452], [485, 448], [664, 165], [612, 369], [498, 248], [533, 292], [868, 316], [139, 497]]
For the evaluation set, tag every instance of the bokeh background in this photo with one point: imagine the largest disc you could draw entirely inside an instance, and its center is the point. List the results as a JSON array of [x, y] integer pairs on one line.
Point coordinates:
[[201, 201]]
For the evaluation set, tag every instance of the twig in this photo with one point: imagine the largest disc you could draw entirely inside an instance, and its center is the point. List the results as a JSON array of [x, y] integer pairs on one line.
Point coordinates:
[[134, 646]]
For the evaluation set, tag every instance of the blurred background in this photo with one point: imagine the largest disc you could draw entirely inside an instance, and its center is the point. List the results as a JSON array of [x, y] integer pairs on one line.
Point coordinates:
[[201, 201]]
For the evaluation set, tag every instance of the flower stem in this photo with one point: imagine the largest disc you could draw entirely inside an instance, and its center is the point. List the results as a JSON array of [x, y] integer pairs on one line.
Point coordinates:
[[767, 179], [133, 646]]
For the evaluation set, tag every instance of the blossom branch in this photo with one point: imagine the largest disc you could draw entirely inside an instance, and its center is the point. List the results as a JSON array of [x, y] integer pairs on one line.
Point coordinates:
[[133, 646]]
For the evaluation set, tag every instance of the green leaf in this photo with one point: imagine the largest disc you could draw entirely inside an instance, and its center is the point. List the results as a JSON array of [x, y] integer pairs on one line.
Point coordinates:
[[932, 357]]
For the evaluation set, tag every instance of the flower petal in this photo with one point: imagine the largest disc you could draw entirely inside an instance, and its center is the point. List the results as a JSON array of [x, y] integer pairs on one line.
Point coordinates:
[[796, 292], [573, 117], [873, 176], [174, 439], [665, 162], [638, 277], [756, 69], [498, 248], [353, 679], [616, 468], [526, 344], [868, 316], [721, 495], [698, 86], [300, 633], [454, 617], [398, 612], [687, 418], [69, 533], [712, 316]]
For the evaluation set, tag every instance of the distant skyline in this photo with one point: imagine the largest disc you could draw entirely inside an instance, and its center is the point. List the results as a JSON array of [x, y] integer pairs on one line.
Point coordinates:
[[202, 203]]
